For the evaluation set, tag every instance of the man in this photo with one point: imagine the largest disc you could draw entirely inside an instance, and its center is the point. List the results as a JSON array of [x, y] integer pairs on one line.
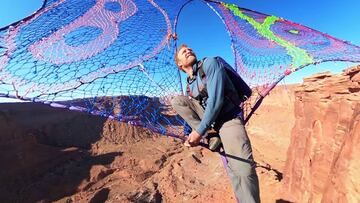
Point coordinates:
[[216, 110]]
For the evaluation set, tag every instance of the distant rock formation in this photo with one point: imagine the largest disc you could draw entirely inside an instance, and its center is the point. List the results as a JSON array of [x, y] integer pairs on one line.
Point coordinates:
[[323, 159]]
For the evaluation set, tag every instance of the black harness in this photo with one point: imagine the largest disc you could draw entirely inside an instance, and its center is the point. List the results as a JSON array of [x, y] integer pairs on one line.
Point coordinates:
[[203, 94]]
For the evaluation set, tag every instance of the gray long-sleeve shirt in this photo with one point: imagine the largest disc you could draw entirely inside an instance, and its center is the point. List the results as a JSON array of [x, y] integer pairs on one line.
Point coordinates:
[[218, 85]]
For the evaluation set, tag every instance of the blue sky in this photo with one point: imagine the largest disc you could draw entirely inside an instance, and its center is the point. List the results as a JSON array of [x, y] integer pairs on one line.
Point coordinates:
[[337, 18]]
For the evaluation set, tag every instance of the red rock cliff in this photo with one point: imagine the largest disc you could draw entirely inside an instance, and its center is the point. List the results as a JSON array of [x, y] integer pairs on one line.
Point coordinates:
[[323, 159]]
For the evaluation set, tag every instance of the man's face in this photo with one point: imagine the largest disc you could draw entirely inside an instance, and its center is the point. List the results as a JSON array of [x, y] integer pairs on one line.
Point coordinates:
[[186, 57]]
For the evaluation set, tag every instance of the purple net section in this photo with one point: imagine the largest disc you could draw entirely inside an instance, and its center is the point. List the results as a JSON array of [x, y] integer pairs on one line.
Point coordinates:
[[109, 58]]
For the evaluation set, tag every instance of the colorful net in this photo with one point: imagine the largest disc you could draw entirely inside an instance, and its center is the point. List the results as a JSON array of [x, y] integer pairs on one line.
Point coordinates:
[[108, 58], [268, 47], [114, 58]]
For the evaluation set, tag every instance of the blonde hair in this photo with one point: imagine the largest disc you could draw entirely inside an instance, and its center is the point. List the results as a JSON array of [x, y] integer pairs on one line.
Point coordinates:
[[176, 54]]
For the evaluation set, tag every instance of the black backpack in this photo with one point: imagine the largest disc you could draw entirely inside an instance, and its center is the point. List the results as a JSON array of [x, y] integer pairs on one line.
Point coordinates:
[[243, 90]]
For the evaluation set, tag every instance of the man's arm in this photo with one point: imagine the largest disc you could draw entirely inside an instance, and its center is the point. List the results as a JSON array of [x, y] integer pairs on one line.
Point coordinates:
[[215, 85]]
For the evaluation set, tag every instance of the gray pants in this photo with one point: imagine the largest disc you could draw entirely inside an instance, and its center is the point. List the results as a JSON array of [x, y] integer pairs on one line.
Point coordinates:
[[237, 147]]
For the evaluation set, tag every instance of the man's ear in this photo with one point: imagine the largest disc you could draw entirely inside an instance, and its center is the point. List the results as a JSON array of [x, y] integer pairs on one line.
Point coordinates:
[[180, 65]]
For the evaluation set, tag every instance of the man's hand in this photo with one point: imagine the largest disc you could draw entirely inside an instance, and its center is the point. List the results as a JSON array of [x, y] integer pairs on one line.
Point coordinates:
[[193, 139]]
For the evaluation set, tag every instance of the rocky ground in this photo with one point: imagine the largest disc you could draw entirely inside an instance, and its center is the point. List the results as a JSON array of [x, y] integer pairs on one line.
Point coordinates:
[[55, 155]]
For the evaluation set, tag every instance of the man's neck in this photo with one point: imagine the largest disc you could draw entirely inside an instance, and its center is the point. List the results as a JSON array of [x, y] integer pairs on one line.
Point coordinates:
[[189, 71]]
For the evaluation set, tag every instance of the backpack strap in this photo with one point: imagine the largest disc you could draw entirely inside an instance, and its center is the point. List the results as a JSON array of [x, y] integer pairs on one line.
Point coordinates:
[[203, 93], [201, 70], [188, 91], [201, 73]]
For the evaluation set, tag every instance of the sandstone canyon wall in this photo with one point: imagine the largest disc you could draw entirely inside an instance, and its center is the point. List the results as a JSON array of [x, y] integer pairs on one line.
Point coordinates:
[[323, 158]]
